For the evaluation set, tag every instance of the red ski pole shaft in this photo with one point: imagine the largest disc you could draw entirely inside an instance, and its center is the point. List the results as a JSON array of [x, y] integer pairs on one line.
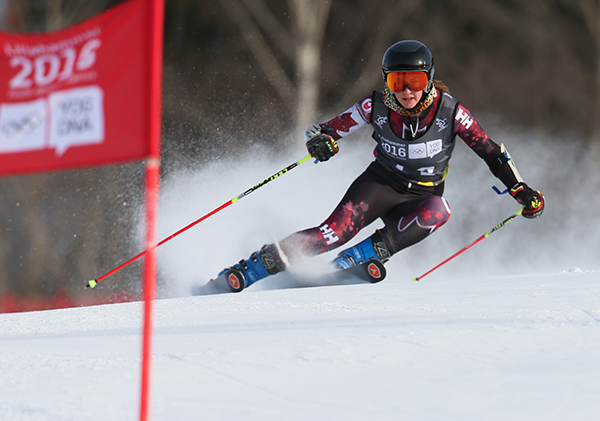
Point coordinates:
[[484, 236], [92, 283]]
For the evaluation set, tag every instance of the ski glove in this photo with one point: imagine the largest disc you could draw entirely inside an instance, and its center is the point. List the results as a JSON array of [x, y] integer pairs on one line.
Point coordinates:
[[320, 145], [532, 200]]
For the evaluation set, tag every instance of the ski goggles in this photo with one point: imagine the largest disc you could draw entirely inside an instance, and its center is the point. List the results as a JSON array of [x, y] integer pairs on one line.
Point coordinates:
[[416, 81]]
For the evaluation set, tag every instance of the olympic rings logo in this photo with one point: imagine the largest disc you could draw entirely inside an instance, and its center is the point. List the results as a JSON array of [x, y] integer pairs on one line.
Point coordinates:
[[418, 150]]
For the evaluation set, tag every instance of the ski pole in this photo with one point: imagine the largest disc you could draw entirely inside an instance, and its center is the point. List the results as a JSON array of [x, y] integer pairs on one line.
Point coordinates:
[[484, 236], [92, 283]]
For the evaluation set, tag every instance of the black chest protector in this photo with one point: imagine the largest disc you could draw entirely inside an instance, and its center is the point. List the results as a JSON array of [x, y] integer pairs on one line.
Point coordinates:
[[423, 160]]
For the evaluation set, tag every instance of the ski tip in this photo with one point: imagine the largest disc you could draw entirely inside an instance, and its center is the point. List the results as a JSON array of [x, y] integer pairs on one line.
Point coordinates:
[[416, 279], [91, 284]]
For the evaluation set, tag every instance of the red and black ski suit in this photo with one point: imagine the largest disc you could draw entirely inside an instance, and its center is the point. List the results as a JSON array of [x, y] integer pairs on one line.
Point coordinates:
[[405, 183]]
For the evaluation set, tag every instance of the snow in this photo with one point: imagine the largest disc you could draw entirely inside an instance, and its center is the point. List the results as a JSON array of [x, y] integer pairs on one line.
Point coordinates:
[[509, 330], [495, 348]]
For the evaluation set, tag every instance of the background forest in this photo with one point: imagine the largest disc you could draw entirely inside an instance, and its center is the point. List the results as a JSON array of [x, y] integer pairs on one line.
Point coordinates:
[[245, 73]]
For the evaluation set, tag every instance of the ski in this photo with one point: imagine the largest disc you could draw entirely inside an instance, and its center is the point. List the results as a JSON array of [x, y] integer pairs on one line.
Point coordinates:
[[232, 280]]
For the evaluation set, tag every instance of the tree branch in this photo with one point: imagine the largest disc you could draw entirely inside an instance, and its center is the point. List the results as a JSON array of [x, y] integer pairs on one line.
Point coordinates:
[[259, 47]]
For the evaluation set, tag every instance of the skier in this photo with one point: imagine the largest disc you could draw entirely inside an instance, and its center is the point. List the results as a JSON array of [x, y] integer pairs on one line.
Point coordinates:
[[415, 121]]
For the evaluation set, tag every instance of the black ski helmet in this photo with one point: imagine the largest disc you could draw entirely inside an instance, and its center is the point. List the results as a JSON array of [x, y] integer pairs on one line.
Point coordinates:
[[408, 56]]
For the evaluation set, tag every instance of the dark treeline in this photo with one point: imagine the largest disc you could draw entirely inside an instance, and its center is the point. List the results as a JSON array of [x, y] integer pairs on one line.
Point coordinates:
[[240, 72], [532, 64]]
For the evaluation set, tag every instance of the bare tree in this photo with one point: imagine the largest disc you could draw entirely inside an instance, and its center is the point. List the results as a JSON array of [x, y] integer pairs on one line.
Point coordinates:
[[298, 44], [274, 45], [310, 23], [385, 32], [591, 13]]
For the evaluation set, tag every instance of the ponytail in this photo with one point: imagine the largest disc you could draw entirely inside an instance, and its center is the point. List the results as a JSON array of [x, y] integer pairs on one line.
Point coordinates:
[[441, 86]]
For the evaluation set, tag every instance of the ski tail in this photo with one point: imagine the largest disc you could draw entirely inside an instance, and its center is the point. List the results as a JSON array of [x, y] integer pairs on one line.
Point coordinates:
[[230, 280], [372, 271]]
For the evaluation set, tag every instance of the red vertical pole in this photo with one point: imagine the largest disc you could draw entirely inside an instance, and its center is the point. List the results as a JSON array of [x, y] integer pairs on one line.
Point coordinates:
[[152, 178], [155, 21]]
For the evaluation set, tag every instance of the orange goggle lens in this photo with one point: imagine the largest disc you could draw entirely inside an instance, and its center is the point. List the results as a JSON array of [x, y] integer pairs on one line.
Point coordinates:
[[416, 81]]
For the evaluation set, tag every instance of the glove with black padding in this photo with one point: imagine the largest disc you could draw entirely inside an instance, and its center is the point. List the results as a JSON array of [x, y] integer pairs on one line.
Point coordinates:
[[532, 200], [321, 146]]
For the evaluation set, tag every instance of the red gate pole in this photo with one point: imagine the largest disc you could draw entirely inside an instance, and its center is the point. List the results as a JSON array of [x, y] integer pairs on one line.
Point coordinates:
[[156, 23], [152, 181]]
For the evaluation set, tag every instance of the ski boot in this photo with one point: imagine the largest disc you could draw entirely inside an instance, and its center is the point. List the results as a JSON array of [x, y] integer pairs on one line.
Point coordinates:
[[372, 248], [261, 264]]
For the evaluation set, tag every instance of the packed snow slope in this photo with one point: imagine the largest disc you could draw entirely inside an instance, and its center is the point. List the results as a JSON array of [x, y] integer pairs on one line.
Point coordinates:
[[508, 330], [449, 348]]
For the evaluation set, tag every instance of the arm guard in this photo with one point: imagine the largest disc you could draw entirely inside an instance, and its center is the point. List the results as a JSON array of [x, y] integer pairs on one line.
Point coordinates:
[[503, 167]]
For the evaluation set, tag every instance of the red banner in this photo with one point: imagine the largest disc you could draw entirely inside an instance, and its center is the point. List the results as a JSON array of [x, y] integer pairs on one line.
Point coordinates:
[[79, 96]]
